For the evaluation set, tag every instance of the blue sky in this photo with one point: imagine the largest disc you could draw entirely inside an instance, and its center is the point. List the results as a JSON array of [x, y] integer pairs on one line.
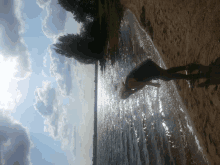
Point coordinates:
[[45, 96]]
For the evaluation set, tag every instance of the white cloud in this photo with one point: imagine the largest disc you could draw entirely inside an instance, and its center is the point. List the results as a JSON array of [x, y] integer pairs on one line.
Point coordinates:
[[54, 21], [57, 121], [45, 98], [54, 24], [43, 73], [51, 108], [62, 119], [51, 125], [42, 3], [60, 128], [60, 69], [45, 60], [16, 139], [12, 26]]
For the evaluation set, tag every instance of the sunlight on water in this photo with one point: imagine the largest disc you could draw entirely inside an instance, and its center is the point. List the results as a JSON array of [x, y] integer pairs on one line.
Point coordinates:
[[180, 108], [188, 82], [165, 126], [197, 142], [190, 127]]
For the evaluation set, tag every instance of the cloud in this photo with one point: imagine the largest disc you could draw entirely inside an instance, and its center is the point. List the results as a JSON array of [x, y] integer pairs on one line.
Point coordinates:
[[59, 127], [65, 84], [62, 119], [52, 110], [52, 124], [54, 21], [17, 141], [43, 73], [60, 68], [45, 60], [42, 3], [12, 26], [45, 98], [54, 113], [57, 123]]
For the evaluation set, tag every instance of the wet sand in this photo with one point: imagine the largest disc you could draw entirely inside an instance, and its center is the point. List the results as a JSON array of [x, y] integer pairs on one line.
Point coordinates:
[[186, 32]]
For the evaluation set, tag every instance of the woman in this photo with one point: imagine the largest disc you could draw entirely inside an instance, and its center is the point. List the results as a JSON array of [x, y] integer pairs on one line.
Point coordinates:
[[148, 70]]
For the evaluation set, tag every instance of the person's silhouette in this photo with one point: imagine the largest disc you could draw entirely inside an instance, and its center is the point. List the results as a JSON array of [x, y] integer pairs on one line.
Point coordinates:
[[147, 71]]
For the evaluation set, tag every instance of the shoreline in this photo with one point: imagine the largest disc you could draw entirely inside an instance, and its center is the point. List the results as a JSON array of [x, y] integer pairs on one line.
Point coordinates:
[[181, 37]]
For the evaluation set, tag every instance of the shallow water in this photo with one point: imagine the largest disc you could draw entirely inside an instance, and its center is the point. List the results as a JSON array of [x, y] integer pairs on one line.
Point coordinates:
[[151, 126]]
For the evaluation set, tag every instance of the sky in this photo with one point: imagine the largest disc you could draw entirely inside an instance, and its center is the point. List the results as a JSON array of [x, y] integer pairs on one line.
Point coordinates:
[[46, 100]]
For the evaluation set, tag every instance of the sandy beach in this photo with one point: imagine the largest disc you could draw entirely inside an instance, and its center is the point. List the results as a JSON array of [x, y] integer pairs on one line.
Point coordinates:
[[185, 32]]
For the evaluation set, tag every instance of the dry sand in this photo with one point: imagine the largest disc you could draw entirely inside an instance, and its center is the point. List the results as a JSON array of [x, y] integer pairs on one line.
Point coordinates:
[[186, 32]]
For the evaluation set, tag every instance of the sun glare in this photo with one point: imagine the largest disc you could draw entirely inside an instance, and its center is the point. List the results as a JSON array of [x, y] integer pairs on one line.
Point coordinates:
[[9, 94]]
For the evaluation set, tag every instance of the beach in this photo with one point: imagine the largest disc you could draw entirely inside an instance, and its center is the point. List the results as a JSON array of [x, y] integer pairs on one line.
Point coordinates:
[[152, 125], [185, 32]]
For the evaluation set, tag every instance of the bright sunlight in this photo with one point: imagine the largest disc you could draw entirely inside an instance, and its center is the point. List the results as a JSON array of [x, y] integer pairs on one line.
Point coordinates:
[[9, 94]]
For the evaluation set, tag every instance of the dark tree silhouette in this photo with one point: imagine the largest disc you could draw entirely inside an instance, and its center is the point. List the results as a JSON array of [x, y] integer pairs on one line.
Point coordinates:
[[96, 31], [16, 163], [77, 46], [82, 9], [90, 46], [86, 47]]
